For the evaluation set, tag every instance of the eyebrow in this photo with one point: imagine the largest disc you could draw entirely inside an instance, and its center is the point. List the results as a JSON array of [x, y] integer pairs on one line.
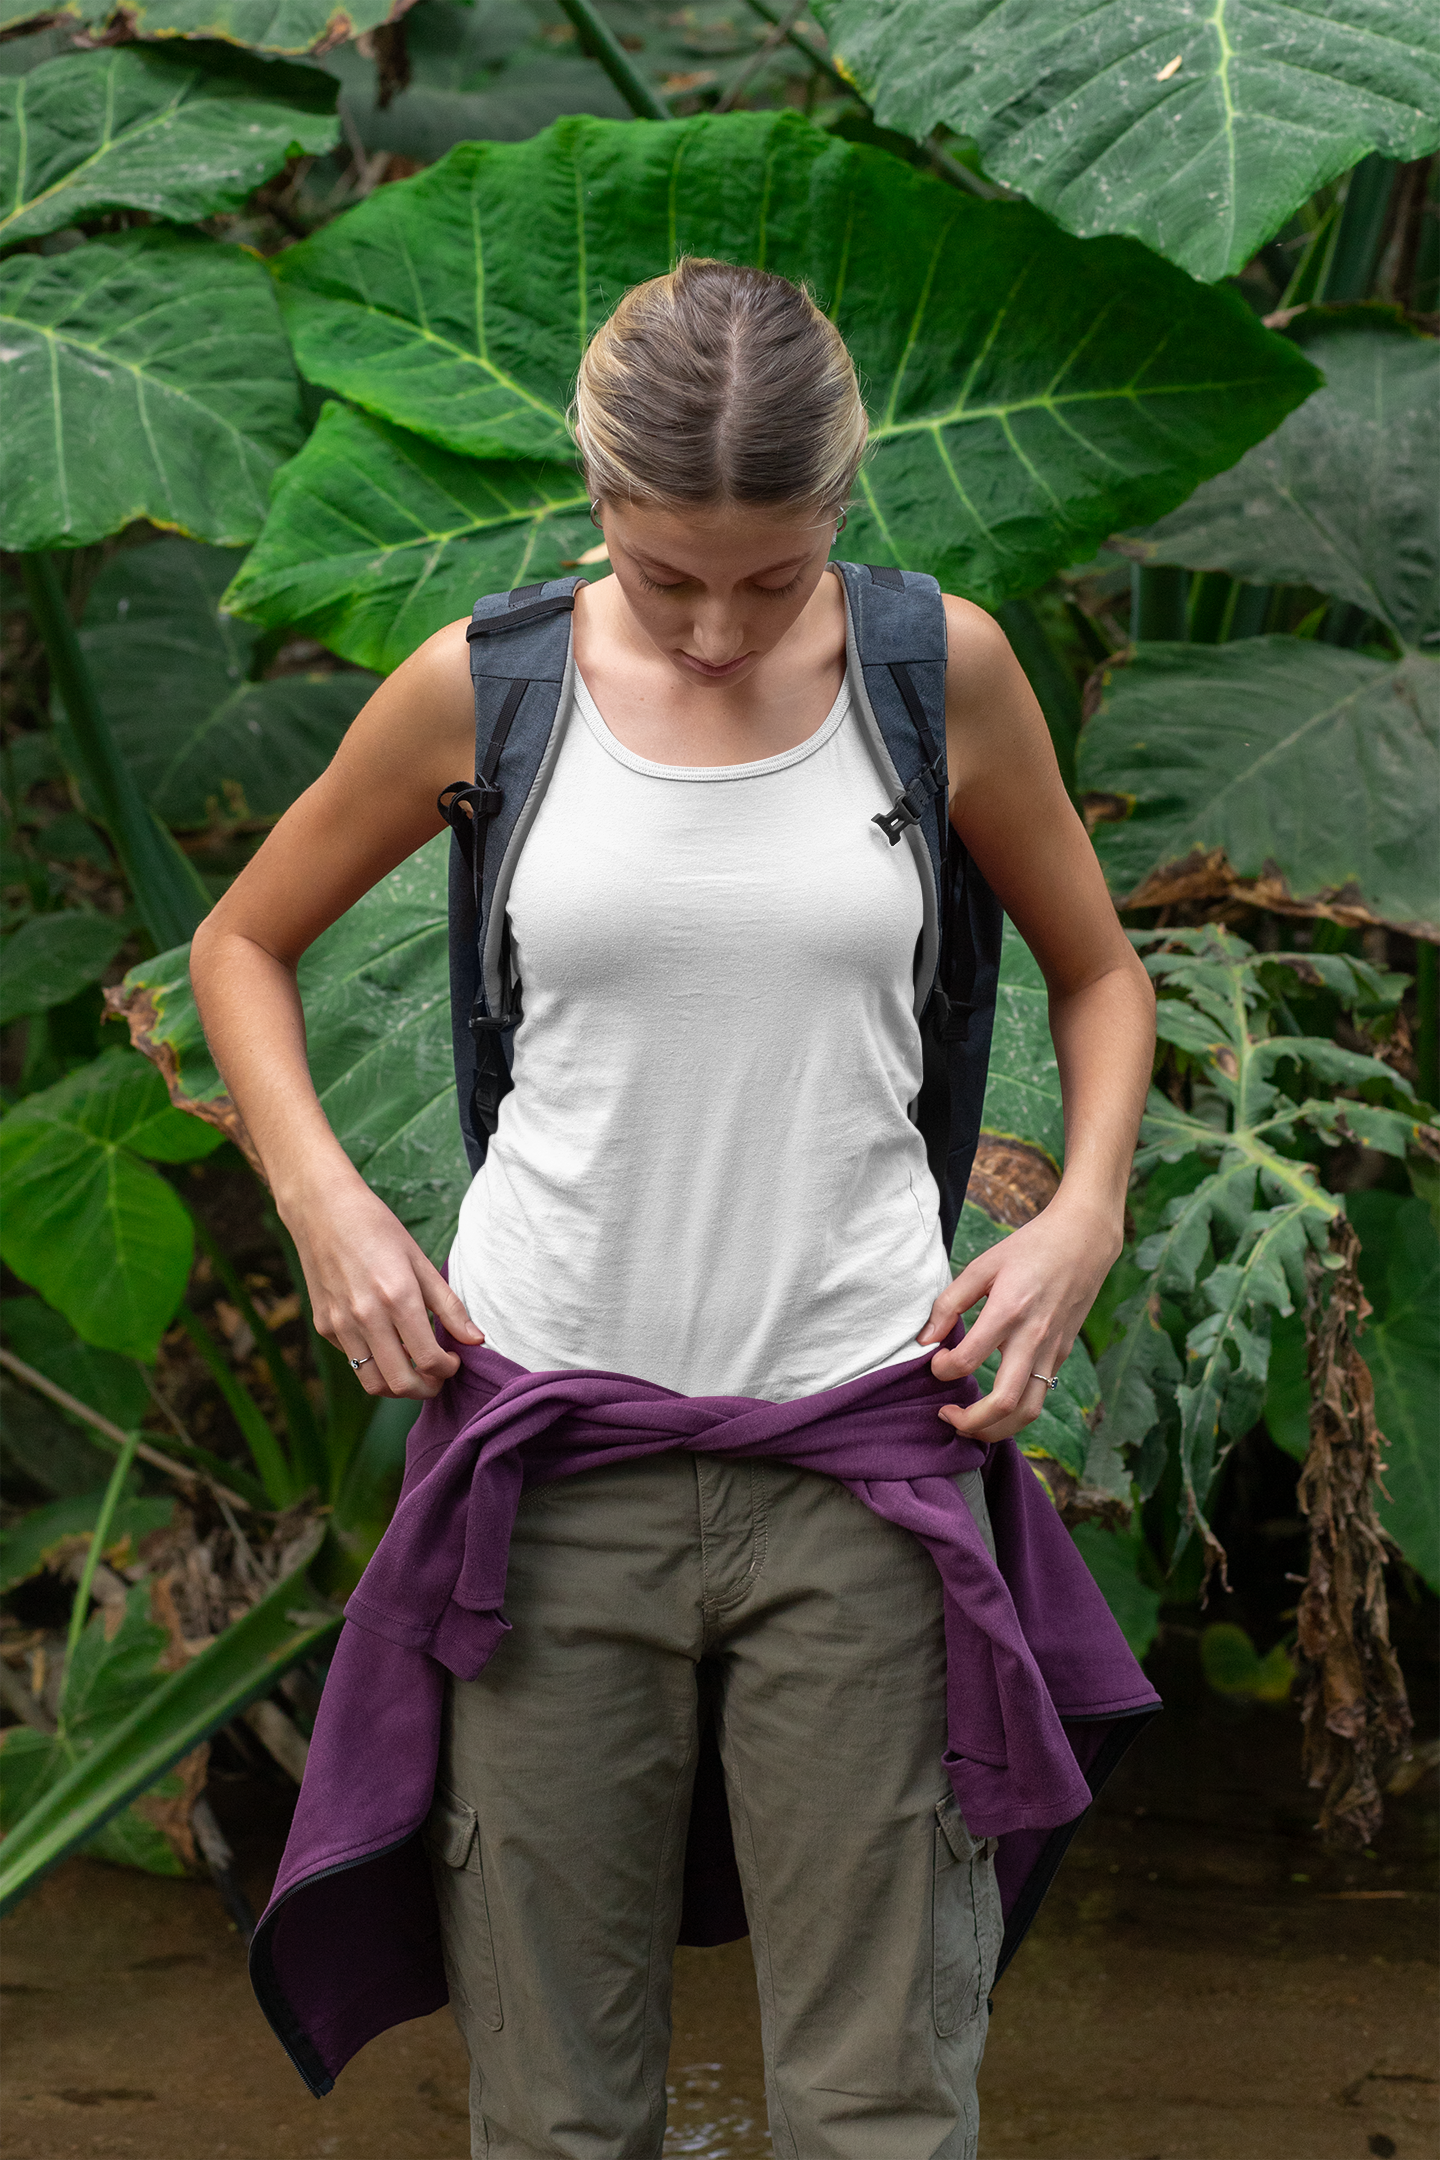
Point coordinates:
[[654, 563]]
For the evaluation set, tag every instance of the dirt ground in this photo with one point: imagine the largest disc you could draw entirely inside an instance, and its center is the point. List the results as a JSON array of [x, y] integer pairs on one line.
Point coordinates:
[[1205, 1983]]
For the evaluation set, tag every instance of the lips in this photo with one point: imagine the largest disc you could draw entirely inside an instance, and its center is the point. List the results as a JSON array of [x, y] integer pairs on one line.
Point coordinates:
[[703, 667]]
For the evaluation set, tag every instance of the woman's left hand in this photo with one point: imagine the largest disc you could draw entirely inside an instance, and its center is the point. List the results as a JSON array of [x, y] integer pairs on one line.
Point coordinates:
[[1038, 1284]]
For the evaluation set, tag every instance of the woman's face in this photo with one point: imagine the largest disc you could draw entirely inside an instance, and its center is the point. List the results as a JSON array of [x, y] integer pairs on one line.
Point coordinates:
[[715, 588]]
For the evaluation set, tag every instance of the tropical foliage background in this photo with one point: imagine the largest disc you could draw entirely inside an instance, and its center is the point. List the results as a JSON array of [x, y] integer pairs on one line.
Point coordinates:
[[1145, 307]]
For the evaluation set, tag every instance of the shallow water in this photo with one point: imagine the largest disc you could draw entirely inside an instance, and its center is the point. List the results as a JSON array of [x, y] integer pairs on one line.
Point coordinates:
[[1205, 1983]]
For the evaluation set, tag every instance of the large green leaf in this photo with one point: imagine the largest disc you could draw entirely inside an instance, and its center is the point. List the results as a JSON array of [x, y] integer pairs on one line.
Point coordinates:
[[1022, 1092], [1313, 769], [1198, 132], [51, 958], [275, 26], [198, 734], [482, 73], [97, 1232], [1400, 1274], [113, 1385], [152, 131], [146, 376], [1342, 495], [1028, 392], [127, 1757], [377, 1024], [375, 537], [377, 1006]]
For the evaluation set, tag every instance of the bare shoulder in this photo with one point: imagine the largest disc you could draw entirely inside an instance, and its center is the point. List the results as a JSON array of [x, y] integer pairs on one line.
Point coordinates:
[[980, 659], [990, 709], [434, 683], [420, 721]]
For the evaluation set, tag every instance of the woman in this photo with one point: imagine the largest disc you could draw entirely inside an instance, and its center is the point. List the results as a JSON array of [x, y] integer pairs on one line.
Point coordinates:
[[707, 1176]]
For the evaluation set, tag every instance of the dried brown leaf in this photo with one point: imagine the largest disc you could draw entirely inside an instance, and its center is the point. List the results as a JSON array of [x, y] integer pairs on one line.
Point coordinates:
[[1354, 1713], [1011, 1181], [170, 1813], [137, 1009]]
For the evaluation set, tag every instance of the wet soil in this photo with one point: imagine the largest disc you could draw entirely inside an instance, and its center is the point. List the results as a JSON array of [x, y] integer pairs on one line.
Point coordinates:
[[1205, 1983]]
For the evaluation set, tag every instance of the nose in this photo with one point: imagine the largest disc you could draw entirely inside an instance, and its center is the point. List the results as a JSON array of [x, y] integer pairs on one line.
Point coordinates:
[[717, 635]]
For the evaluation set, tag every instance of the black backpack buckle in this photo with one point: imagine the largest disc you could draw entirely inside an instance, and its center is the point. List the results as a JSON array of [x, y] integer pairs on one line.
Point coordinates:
[[912, 802]]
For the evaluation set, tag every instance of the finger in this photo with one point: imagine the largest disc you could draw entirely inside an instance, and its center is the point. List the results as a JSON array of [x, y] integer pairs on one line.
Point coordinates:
[[390, 1371], [970, 1285], [444, 1303], [988, 1421], [980, 1340], [1014, 1401], [412, 1325], [347, 1338]]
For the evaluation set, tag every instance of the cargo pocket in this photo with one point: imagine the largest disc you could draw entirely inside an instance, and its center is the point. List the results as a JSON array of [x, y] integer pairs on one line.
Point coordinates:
[[967, 1920], [452, 1835]]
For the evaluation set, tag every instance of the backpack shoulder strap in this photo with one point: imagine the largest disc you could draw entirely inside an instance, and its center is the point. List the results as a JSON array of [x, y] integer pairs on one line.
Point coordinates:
[[519, 655], [899, 623]]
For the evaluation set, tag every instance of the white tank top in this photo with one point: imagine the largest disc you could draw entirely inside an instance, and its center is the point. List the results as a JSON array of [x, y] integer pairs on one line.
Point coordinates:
[[706, 1173]]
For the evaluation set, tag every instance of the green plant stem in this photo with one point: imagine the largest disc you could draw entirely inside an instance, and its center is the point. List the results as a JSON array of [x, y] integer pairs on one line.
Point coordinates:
[[275, 1472], [1049, 678], [111, 1436], [1343, 623], [1158, 596], [124, 1463], [1246, 615], [1209, 597], [602, 45], [1427, 1021], [306, 1445], [759, 59], [1349, 268], [1313, 266], [168, 892], [821, 62], [951, 169]]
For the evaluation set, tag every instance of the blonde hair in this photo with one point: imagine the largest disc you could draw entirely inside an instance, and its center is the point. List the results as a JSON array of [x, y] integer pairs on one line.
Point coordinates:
[[717, 383]]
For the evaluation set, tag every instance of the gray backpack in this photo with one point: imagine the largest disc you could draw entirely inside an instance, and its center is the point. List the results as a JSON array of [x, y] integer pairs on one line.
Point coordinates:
[[520, 660]]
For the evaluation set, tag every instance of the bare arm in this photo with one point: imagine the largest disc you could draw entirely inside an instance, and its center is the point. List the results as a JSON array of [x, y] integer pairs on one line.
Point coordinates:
[[1009, 806], [370, 1284]]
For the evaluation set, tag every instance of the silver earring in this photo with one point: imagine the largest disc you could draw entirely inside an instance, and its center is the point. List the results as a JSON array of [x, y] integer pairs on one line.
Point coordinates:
[[842, 522], [593, 518]]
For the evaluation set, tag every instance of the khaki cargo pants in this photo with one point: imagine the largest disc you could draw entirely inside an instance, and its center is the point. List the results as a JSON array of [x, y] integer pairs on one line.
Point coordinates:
[[558, 1832]]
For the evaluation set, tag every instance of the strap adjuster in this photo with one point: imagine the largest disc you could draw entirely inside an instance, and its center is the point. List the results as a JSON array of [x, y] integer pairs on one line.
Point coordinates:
[[912, 802], [473, 797], [482, 802]]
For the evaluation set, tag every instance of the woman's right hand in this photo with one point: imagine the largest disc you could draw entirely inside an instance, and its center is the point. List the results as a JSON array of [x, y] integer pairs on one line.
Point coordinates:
[[372, 1289]]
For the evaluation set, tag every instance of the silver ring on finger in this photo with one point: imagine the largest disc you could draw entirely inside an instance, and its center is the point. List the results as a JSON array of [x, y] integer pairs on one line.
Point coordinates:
[[357, 1362], [1045, 1376]]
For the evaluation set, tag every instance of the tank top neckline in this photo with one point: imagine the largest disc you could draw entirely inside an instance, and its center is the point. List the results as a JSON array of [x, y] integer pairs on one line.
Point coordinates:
[[756, 769]]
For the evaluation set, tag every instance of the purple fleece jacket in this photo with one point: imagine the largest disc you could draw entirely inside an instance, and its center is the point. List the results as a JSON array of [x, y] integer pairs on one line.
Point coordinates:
[[1043, 1692]]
